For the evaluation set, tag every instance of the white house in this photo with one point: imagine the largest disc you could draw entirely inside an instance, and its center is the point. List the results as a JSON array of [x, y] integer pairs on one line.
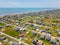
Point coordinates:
[[43, 34], [48, 36], [53, 40]]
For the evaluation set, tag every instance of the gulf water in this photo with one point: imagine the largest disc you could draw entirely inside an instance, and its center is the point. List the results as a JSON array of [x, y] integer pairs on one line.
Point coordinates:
[[5, 11]]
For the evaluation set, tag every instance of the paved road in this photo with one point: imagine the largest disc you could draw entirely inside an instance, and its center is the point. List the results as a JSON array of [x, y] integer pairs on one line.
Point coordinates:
[[40, 25], [24, 28], [13, 37], [9, 36]]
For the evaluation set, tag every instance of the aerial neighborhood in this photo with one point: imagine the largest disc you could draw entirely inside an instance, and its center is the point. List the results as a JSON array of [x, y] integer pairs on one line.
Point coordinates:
[[37, 28]]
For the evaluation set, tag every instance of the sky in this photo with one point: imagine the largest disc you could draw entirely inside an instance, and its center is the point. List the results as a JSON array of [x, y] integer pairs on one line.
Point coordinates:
[[29, 3]]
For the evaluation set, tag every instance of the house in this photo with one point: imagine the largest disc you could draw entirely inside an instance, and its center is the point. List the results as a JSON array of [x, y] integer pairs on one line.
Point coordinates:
[[49, 32], [58, 39], [31, 24], [34, 29], [7, 25], [3, 19], [1, 43], [47, 24], [14, 43], [0, 26], [20, 19], [3, 30], [1, 34], [41, 31], [58, 42], [53, 40], [17, 29], [47, 28], [25, 25], [42, 36], [38, 17], [58, 24], [40, 42], [21, 29], [37, 30], [31, 21], [3, 38], [17, 23], [15, 17], [8, 16], [34, 33], [21, 35], [48, 36], [34, 42], [58, 31], [53, 24], [37, 22], [42, 23], [0, 22]]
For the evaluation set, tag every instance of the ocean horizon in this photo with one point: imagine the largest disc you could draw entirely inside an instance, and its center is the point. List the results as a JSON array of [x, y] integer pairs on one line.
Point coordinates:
[[8, 11]]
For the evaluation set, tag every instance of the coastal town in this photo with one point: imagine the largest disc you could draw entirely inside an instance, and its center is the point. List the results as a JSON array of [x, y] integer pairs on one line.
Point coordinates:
[[35, 28]]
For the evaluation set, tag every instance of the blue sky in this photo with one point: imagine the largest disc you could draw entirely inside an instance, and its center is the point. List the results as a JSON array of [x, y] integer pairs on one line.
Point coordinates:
[[30, 3]]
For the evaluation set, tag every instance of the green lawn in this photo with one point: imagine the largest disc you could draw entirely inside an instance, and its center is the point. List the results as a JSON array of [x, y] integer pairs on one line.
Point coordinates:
[[10, 31]]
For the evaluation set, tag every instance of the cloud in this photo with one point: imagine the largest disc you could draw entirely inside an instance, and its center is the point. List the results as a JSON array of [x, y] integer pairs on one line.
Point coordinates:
[[30, 3]]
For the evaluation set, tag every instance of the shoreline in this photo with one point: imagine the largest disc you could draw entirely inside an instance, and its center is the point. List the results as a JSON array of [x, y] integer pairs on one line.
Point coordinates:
[[28, 12], [17, 13]]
